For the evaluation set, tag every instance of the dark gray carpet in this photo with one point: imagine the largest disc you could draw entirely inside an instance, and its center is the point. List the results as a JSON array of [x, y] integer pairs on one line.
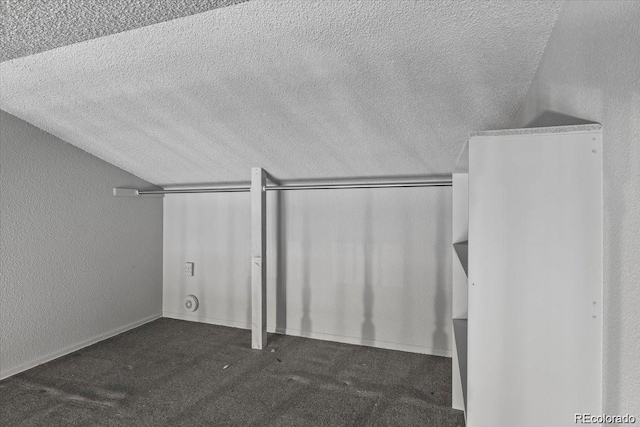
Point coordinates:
[[172, 373]]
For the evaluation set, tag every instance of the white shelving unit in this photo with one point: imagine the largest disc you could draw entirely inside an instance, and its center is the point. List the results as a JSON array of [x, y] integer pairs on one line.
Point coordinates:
[[527, 276], [460, 228]]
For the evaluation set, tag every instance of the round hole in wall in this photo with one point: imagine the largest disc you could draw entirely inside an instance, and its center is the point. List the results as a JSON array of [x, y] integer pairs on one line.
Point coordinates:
[[191, 303]]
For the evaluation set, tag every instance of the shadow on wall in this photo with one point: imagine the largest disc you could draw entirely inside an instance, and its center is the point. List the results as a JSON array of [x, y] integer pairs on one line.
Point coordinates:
[[200, 258], [440, 337], [181, 279], [305, 322], [408, 259], [359, 265], [368, 328], [281, 266], [439, 228], [553, 118], [231, 277]]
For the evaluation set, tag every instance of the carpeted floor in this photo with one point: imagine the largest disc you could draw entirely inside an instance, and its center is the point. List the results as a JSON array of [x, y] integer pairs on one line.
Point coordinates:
[[176, 373]]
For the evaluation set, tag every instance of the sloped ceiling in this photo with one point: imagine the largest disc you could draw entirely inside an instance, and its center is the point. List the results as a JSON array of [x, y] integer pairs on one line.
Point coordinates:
[[303, 89], [32, 26]]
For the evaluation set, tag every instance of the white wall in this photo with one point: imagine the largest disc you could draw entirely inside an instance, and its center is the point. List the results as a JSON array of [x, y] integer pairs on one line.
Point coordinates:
[[591, 70], [368, 267], [77, 264]]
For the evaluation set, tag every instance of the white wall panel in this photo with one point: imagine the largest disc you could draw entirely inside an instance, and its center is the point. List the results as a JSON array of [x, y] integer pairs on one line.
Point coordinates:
[[78, 265], [361, 266]]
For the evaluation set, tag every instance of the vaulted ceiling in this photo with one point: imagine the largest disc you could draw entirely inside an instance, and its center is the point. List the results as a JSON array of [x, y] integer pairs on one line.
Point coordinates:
[[32, 26], [303, 89]]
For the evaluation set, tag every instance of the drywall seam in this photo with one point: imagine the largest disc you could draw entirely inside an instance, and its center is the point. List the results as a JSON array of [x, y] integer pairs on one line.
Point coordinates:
[[75, 347], [314, 335]]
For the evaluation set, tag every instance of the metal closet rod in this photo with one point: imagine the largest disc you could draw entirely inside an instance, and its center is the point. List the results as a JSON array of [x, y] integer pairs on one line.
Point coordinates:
[[430, 183], [196, 190], [444, 182]]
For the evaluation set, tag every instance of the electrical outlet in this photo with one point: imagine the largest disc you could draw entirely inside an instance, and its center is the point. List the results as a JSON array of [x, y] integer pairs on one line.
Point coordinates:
[[188, 269]]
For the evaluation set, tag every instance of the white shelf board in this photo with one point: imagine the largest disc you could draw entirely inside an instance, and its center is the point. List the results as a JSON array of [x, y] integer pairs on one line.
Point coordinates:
[[460, 335], [462, 250]]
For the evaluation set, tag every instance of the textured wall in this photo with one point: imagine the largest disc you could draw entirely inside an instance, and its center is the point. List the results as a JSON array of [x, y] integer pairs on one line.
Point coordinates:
[[77, 263], [360, 266], [305, 89], [590, 70]]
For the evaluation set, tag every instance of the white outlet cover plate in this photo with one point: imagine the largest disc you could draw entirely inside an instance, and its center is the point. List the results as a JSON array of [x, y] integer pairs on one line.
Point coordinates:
[[188, 269]]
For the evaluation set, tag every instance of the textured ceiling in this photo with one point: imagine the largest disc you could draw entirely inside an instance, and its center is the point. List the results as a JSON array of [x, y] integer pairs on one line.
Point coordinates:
[[32, 26], [303, 89]]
